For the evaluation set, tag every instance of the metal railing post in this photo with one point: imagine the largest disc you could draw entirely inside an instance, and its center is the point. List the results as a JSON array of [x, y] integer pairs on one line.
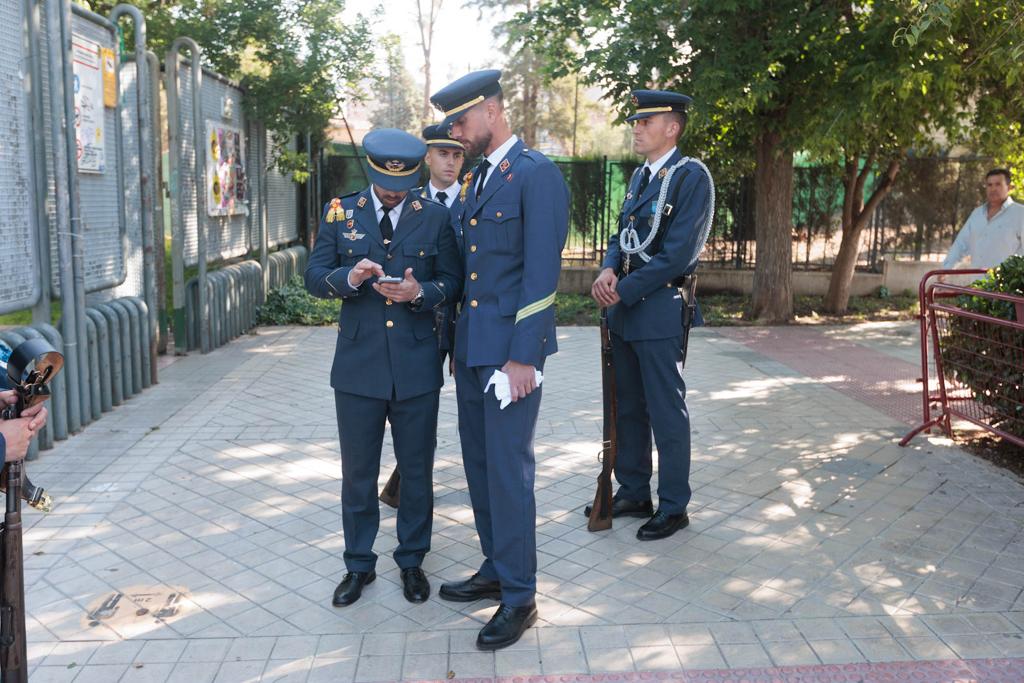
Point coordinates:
[[177, 207], [146, 136]]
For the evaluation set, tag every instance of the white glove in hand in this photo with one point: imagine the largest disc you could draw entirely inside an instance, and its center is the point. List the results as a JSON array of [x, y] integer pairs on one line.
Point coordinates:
[[502, 392]]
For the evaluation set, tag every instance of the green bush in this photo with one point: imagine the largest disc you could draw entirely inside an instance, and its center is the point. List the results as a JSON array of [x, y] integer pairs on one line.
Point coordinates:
[[293, 305], [988, 357]]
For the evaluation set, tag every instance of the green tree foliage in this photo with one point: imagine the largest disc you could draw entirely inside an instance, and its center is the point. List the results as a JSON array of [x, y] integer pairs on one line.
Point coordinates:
[[395, 92], [297, 60], [773, 77]]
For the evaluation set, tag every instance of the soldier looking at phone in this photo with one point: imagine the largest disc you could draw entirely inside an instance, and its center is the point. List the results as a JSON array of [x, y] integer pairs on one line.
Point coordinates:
[[392, 258]]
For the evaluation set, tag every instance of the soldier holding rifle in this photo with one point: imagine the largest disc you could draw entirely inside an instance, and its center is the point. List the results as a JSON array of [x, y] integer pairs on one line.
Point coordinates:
[[647, 286]]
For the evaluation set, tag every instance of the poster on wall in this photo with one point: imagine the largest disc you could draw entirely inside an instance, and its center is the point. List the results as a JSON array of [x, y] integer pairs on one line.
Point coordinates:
[[89, 133], [225, 170]]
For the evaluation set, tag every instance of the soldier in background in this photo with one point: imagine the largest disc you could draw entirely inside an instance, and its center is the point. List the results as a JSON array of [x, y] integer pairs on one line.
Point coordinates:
[[445, 158], [643, 284]]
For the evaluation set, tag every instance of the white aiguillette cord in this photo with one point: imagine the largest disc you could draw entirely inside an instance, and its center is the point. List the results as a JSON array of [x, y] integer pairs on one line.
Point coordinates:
[[629, 239]]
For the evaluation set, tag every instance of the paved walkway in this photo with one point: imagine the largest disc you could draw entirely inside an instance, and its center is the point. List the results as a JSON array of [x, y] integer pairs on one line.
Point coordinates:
[[196, 538]]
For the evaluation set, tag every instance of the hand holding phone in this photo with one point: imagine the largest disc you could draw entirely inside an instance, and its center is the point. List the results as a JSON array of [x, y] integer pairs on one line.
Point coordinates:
[[389, 280]]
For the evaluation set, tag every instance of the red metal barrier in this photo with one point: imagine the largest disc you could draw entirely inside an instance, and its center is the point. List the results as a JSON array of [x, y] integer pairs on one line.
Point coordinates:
[[978, 360]]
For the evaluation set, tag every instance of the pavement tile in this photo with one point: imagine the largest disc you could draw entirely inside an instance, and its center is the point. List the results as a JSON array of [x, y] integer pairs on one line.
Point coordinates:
[[655, 658], [791, 653], [744, 655], [881, 649], [609, 660], [471, 664], [146, 673], [836, 651], [240, 672], [972, 647], [706, 656], [512, 663], [193, 672], [814, 537], [327, 670], [563, 662], [161, 651]]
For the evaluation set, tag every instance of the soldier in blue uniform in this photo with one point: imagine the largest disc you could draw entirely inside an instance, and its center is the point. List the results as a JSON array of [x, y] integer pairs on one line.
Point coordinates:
[[385, 362], [445, 158], [663, 226], [514, 225]]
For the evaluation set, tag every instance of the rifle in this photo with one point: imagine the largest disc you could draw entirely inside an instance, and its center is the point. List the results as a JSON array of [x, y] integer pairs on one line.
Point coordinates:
[[601, 510], [30, 368], [390, 494]]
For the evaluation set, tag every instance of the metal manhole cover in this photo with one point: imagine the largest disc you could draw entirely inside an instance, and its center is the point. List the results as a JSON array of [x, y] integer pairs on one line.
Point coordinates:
[[136, 605]]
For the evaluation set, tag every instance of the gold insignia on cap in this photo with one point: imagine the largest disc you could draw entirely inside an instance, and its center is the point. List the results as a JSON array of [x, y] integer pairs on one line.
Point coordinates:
[[394, 165], [503, 166], [361, 203], [416, 206], [662, 173]]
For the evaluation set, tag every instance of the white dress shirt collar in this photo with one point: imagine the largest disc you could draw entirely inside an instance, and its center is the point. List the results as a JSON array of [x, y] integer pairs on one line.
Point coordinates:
[[497, 155], [1007, 204], [450, 192], [379, 209], [656, 166]]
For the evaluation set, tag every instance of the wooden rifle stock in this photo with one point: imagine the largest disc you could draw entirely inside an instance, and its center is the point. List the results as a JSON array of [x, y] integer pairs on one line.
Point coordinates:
[[390, 494], [13, 648], [601, 510]]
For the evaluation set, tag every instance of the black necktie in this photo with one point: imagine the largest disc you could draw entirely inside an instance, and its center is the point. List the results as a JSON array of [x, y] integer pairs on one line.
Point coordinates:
[[386, 229], [482, 172], [645, 180], [441, 197]]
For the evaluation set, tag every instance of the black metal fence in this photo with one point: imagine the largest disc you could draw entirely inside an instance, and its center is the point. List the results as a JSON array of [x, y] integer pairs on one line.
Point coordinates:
[[929, 203]]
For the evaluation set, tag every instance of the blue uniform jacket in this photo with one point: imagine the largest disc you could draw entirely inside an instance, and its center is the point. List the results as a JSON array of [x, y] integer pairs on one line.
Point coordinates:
[[650, 307], [386, 349], [513, 237], [446, 314]]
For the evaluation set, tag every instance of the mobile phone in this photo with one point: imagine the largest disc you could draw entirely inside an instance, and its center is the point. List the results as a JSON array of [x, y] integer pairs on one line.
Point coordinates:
[[389, 280]]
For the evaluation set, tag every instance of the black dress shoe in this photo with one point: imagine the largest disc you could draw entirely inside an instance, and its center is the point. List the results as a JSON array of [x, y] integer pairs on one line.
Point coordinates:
[[662, 525], [475, 587], [351, 587], [415, 586], [627, 508], [506, 626]]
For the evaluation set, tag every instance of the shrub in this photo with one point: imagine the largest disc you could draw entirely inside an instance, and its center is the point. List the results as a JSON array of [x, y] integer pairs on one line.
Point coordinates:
[[986, 357], [291, 304]]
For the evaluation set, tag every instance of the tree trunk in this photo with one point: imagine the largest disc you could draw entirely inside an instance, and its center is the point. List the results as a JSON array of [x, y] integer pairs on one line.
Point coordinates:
[[427, 111], [772, 298], [856, 215]]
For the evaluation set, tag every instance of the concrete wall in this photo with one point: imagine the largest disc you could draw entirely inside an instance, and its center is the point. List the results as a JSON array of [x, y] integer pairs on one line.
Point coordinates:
[[897, 277]]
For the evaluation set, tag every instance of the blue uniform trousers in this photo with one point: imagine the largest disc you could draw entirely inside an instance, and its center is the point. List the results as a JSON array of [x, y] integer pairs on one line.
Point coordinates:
[[651, 394], [361, 432], [497, 453]]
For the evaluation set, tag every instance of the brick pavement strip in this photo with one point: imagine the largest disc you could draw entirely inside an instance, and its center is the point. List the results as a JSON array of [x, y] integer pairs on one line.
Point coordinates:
[[197, 537]]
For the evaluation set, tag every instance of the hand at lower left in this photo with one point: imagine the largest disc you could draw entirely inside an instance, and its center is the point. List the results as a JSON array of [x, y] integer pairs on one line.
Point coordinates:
[[38, 413], [522, 379], [404, 291]]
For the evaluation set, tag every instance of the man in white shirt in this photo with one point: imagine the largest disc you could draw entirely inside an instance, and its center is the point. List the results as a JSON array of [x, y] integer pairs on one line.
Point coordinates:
[[994, 231]]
